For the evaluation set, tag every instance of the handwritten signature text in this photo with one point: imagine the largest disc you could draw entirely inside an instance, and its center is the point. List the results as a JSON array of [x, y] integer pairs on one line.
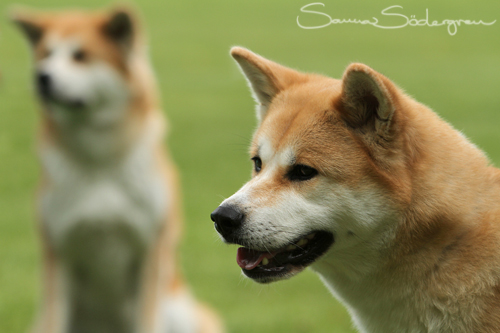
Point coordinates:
[[389, 11]]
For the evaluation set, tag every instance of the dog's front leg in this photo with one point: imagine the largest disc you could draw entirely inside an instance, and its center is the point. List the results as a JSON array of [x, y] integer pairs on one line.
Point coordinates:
[[52, 316]]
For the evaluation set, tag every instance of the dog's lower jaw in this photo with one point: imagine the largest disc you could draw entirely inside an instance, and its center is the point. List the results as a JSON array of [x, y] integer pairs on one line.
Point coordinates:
[[89, 140], [285, 261], [287, 274]]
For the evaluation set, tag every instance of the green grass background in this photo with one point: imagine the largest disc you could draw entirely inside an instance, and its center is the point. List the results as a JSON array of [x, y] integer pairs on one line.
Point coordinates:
[[212, 117]]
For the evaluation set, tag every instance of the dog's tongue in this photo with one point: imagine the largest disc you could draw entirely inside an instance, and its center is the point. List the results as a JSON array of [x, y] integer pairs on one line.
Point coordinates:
[[249, 259]]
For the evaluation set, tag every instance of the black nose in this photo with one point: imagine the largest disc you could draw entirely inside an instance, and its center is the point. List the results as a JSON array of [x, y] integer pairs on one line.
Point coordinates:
[[43, 84], [227, 219]]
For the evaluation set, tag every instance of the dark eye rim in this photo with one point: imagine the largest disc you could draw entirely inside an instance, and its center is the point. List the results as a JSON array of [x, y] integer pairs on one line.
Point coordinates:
[[80, 55], [301, 172], [47, 53], [257, 162]]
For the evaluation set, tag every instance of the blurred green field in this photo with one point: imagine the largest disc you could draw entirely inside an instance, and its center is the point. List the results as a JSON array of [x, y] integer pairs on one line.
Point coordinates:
[[212, 118]]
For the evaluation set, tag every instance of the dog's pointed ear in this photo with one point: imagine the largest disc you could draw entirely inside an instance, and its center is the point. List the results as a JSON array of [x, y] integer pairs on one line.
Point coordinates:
[[120, 27], [368, 100], [29, 23], [265, 77]]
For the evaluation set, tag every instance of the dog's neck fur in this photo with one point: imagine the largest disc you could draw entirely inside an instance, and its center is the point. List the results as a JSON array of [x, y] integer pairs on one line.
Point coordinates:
[[92, 143], [428, 243]]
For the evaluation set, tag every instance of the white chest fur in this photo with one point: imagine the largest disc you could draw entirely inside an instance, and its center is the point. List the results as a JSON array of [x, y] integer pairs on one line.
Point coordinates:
[[130, 192]]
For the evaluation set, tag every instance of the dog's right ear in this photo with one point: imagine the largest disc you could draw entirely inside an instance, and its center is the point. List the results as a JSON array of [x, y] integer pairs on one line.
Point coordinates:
[[266, 78], [120, 28], [30, 24], [368, 101]]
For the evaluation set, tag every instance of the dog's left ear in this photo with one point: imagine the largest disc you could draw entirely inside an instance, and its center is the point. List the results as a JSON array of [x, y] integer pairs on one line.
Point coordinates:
[[30, 24], [120, 28], [368, 101], [265, 77]]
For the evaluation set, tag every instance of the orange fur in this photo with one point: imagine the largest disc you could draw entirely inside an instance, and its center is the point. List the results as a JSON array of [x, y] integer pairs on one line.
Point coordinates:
[[433, 264]]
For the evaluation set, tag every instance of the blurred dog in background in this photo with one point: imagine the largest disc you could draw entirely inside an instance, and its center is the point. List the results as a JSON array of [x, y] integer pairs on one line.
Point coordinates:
[[108, 201]]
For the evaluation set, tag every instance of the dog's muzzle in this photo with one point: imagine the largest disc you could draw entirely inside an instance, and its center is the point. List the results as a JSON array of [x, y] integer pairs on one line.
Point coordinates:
[[44, 84], [227, 220]]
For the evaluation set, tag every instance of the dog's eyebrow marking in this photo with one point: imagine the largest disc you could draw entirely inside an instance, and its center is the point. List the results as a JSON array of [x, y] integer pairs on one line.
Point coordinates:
[[265, 149], [257, 152], [287, 157], [67, 43]]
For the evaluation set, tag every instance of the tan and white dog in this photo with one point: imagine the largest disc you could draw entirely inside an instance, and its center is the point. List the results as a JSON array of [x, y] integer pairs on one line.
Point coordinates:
[[108, 202], [395, 210]]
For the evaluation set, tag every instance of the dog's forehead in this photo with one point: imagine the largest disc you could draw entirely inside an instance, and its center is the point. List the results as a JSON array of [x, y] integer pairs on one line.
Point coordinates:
[[73, 29], [75, 23], [55, 41], [296, 118]]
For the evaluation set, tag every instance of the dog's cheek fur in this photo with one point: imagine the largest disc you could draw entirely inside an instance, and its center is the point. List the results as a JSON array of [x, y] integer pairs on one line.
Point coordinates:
[[352, 214]]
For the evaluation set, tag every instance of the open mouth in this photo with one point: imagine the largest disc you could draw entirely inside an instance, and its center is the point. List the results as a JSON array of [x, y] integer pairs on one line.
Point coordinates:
[[69, 104], [73, 104], [284, 262]]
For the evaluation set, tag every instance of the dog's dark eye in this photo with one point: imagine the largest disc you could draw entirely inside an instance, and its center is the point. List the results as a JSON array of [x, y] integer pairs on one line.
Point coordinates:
[[301, 172], [46, 53], [80, 56], [257, 162]]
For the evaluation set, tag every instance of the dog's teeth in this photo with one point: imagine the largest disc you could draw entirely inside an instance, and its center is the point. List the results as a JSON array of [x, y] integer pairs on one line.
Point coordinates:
[[291, 247], [265, 261], [302, 242], [311, 236]]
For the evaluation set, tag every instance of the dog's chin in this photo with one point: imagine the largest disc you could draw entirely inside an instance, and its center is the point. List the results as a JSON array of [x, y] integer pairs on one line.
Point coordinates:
[[284, 262], [70, 104]]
